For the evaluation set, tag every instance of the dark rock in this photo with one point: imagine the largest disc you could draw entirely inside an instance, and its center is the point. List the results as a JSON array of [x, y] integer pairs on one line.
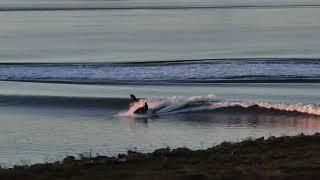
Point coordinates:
[[122, 160], [122, 156], [225, 144], [163, 152], [57, 163], [181, 151], [39, 167], [18, 167], [133, 155], [260, 140], [69, 161], [272, 139]]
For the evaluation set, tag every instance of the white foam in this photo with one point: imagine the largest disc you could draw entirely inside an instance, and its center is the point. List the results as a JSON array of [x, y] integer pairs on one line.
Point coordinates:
[[290, 107]]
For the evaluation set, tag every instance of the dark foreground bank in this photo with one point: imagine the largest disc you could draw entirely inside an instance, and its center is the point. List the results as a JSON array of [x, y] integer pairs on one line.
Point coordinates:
[[296, 157]]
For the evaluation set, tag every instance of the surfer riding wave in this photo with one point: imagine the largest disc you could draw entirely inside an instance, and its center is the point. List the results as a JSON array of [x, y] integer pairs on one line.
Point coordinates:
[[141, 110]]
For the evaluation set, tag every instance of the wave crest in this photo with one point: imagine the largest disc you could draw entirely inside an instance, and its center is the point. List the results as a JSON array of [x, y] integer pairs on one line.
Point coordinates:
[[177, 105]]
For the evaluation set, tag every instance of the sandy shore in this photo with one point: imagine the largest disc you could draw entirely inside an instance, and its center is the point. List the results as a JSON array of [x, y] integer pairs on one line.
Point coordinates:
[[294, 157]]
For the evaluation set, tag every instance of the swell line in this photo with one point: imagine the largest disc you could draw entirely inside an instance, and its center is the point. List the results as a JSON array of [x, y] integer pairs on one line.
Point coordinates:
[[171, 61], [203, 71]]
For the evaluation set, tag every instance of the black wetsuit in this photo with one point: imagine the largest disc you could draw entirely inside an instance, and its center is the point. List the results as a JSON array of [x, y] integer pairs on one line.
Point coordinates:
[[142, 110], [133, 98]]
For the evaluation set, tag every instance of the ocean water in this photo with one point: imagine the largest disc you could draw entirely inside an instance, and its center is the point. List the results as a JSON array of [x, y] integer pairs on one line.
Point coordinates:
[[139, 34], [211, 71]]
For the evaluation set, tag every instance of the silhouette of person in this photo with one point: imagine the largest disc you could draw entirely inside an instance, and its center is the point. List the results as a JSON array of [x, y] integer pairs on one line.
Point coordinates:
[[145, 107], [133, 98], [142, 110]]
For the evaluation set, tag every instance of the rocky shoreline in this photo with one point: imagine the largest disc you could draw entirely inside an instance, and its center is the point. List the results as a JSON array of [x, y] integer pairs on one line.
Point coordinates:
[[286, 157]]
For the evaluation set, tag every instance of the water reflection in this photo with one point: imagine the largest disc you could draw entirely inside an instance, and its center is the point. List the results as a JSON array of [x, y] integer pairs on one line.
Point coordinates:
[[264, 120]]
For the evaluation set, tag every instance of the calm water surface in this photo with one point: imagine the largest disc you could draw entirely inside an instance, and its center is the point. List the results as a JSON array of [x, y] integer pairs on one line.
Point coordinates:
[[148, 35], [269, 41]]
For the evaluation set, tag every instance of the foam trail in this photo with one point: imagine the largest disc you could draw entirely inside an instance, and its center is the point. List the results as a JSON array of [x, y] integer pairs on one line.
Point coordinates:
[[166, 106], [177, 105]]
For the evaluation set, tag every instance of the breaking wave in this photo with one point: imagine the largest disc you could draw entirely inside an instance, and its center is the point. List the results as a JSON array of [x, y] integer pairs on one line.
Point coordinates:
[[178, 105], [162, 107]]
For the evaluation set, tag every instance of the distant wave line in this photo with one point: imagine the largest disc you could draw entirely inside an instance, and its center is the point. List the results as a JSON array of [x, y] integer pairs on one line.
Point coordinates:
[[160, 7], [168, 82], [171, 72], [169, 62]]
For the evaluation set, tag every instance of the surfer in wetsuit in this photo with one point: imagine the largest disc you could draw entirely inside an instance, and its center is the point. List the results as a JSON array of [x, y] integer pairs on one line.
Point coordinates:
[[142, 110], [145, 107], [133, 98]]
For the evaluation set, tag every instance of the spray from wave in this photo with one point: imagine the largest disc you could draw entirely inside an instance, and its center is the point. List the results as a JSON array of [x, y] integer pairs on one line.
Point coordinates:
[[178, 105]]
